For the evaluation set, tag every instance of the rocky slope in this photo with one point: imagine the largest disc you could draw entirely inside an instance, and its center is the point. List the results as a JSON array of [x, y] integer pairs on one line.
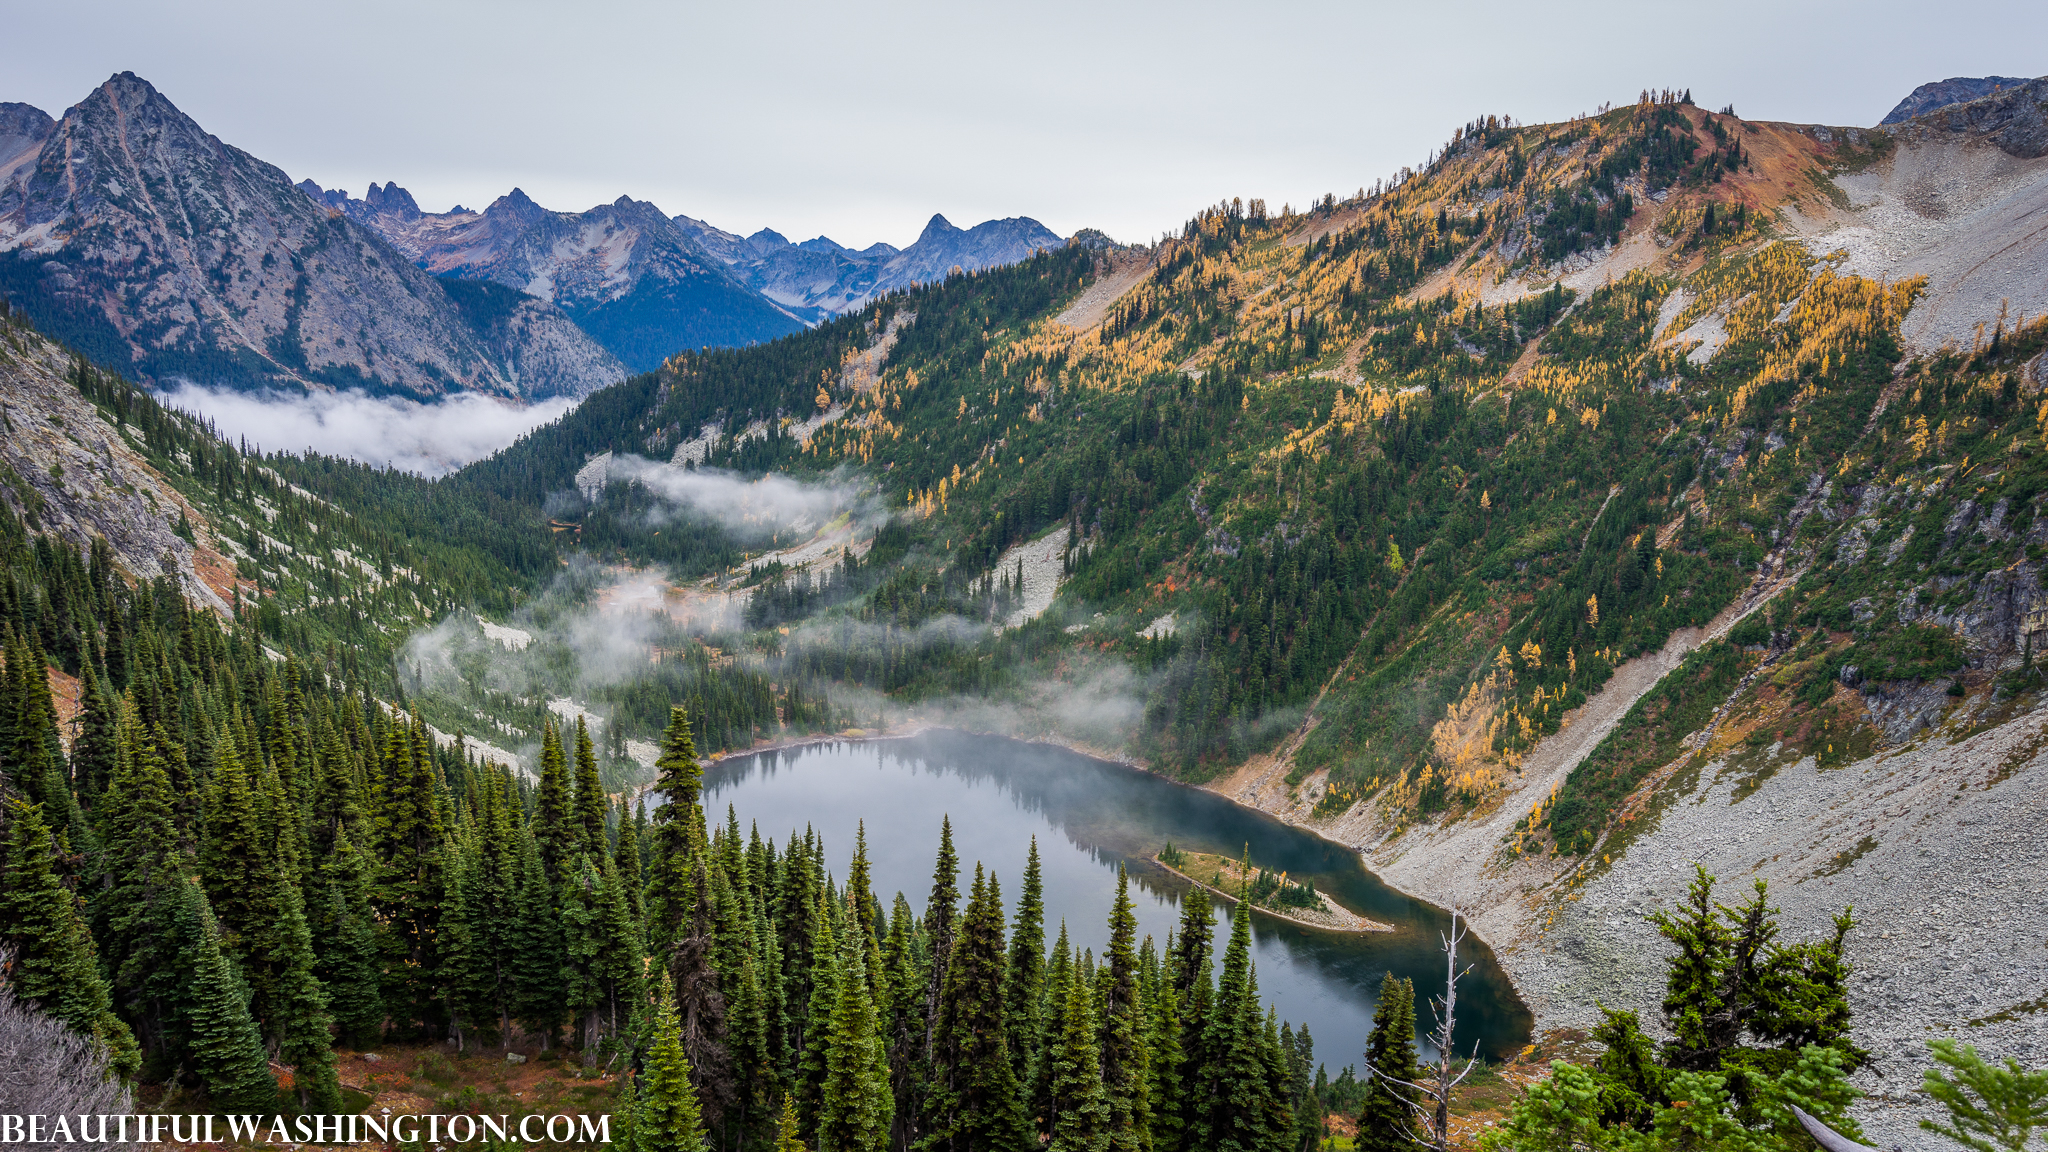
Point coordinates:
[[1941, 93], [69, 472], [632, 278], [158, 250], [819, 278]]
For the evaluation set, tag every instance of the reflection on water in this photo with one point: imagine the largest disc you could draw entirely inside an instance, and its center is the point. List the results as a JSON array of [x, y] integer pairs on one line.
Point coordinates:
[[1089, 817]]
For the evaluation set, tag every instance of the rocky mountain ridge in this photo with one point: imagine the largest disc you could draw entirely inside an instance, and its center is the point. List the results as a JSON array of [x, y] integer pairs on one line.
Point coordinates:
[[1941, 93], [819, 278], [135, 236], [630, 276]]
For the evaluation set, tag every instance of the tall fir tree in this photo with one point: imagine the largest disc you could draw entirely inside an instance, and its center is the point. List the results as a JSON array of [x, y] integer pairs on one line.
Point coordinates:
[[667, 1117], [1126, 1065], [538, 988], [142, 871], [678, 835], [1239, 1107], [1386, 1120], [978, 1104], [855, 1105], [226, 1048], [1078, 1115], [1024, 984], [555, 827], [591, 801], [53, 961]]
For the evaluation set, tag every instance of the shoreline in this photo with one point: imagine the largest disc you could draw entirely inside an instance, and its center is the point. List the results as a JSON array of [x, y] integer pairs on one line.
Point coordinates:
[[1370, 925]]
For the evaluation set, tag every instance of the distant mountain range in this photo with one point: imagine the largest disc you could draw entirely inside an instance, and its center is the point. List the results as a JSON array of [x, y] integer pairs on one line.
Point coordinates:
[[637, 283], [646, 285], [819, 278], [130, 233]]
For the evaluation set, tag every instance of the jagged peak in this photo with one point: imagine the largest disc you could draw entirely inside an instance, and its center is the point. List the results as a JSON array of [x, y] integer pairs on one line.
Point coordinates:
[[391, 198], [938, 225]]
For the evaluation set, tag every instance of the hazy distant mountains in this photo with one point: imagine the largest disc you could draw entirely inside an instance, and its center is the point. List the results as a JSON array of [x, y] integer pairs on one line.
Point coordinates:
[[819, 278], [133, 235], [633, 279], [130, 233], [646, 285]]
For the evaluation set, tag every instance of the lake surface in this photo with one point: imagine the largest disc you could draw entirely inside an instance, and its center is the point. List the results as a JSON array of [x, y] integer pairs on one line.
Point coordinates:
[[1089, 816]]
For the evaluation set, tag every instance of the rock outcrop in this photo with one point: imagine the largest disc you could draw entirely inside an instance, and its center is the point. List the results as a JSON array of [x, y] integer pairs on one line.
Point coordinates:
[[1942, 93], [68, 472]]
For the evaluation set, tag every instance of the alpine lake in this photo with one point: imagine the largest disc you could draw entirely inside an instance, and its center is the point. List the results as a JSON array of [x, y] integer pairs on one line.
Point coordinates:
[[1089, 817]]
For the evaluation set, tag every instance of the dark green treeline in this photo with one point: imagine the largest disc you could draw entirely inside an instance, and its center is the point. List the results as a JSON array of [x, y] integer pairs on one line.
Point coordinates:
[[240, 860]]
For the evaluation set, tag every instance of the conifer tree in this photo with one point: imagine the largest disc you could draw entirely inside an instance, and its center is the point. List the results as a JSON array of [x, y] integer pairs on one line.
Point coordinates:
[[555, 827], [938, 925], [1164, 1051], [93, 750], [538, 957], [581, 942], [1024, 984], [976, 1100], [786, 1135], [678, 833], [142, 871], [1126, 1072], [54, 966], [345, 943], [1189, 991], [821, 1006], [1303, 1098], [627, 858], [1386, 1121], [591, 801], [1238, 1106], [667, 1118], [1059, 976], [227, 1051], [1078, 1114], [855, 1105]]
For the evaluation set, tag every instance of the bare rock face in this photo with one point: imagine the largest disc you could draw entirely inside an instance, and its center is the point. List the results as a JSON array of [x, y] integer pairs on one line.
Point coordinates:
[[2014, 118], [154, 248], [819, 279], [1942, 93], [625, 272], [67, 471]]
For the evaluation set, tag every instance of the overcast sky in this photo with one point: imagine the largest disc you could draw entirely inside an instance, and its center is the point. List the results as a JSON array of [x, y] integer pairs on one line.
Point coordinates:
[[858, 120]]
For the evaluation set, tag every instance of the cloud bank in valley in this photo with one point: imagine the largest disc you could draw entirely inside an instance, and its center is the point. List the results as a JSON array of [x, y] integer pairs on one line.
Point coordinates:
[[774, 501], [430, 439]]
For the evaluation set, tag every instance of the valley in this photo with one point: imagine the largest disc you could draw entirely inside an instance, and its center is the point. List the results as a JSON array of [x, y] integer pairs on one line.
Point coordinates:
[[1606, 500]]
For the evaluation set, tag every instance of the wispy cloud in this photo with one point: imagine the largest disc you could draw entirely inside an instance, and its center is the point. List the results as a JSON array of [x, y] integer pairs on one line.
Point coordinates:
[[774, 501], [430, 439]]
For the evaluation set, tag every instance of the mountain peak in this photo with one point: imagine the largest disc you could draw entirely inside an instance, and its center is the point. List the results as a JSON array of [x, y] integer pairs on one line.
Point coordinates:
[[938, 225], [391, 198], [1942, 93]]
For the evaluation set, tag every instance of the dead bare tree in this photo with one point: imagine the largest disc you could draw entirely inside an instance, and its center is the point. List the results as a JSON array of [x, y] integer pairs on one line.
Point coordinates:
[[47, 1068], [1430, 1098]]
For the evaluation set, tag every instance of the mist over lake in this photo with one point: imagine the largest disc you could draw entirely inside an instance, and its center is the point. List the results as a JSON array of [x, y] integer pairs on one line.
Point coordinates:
[[1090, 816]]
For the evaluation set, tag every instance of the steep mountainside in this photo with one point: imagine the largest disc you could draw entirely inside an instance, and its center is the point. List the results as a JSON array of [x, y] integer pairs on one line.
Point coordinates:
[[150, 245], [819, 278], [626, 273], [1941, 93]]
